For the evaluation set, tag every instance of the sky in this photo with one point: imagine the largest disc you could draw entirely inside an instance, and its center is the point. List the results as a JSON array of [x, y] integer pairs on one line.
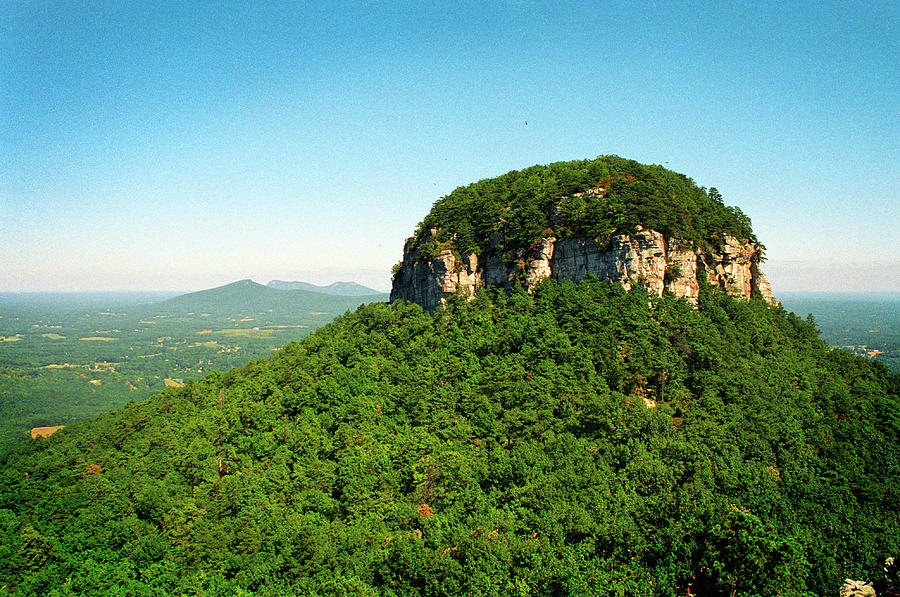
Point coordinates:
[[181, 146]]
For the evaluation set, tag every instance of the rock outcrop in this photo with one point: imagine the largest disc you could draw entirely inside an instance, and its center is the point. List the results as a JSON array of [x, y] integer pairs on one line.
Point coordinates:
[[646, 257]]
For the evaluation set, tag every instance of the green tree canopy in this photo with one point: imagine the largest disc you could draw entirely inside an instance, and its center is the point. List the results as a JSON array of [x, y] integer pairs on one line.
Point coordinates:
[[582, 440], [583, 199]]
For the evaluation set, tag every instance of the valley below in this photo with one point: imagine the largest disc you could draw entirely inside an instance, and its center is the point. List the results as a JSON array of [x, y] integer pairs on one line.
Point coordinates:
[[67, 358]]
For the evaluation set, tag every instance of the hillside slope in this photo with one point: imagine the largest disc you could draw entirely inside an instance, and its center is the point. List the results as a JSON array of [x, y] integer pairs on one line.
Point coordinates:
[[78, 355], [248, 296], [569, 442]]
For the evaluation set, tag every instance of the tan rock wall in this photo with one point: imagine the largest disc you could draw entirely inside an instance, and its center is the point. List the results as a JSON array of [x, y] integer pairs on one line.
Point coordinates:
[[644, 256]]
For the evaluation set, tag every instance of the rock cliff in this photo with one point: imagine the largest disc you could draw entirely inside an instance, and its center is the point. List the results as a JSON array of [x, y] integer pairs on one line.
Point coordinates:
[[611, 218], [646, 257]]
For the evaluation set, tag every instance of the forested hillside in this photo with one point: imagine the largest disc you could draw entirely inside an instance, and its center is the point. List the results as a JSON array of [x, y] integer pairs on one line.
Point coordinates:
[[69, 357], [582, 440], [249, 297]]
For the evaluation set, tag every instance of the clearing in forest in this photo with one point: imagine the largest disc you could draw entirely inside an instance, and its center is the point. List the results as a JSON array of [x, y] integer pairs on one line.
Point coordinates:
[[37, 432]]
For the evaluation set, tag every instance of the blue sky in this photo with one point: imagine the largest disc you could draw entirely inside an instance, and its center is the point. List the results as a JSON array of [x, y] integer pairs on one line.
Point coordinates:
[[182, 146]]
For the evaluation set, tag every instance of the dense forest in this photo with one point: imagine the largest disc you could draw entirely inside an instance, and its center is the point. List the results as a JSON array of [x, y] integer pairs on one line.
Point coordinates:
[[582, 440], [581, 199]]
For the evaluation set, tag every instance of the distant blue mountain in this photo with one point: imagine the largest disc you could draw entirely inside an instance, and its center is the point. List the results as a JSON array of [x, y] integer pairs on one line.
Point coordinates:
[[246, 296], [335, 288], [54, 302]]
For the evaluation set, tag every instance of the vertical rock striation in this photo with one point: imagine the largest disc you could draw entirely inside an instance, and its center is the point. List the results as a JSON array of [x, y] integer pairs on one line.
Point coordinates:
[[646, 257]]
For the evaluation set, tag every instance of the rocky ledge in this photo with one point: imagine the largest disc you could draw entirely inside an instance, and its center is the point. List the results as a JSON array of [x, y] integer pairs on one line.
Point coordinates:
[[646, 257]]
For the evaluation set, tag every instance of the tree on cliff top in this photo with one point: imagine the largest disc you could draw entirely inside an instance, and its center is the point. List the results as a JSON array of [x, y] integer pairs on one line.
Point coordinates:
[[582, 199]]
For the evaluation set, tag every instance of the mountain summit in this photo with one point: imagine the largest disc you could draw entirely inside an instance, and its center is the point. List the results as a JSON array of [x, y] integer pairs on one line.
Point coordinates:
[[611, 218], [335, 288], [251, 297]]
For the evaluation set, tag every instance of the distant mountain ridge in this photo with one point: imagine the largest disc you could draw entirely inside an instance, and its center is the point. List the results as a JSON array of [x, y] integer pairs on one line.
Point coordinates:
[[249, 296], [335, 288]]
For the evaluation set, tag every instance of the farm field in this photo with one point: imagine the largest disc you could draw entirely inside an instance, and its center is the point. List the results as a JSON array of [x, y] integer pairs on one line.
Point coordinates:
[[63, 361]]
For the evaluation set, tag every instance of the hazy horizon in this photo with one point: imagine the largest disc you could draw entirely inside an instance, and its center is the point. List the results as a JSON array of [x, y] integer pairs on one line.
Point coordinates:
[[195, 287], [846, 292], [183, 147], [785, 277]]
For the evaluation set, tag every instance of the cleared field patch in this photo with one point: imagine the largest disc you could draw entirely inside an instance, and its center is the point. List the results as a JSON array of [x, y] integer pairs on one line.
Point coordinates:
[[37, 432], [248, 333], [210, 344], [52, 336], [98, 339], [15, 338]]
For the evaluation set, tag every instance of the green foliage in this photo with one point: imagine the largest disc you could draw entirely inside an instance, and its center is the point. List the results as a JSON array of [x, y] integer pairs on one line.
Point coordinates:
[[51, 376], [515, 210], [582, 440], [673, 272]]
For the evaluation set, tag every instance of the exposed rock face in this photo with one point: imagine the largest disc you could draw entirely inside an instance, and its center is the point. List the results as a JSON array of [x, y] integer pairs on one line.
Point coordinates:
[[645, 257]]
